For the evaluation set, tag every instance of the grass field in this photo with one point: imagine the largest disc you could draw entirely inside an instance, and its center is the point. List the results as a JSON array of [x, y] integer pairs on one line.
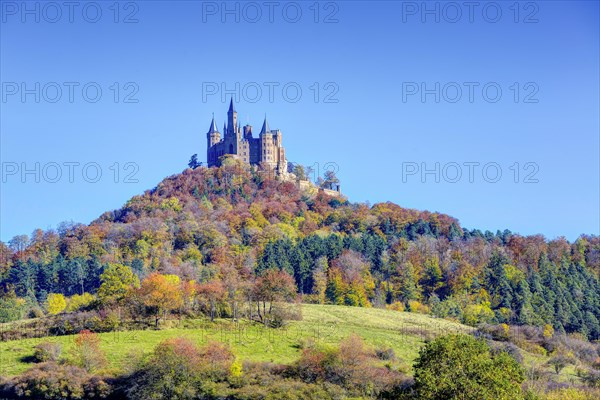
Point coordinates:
[[327, 324]]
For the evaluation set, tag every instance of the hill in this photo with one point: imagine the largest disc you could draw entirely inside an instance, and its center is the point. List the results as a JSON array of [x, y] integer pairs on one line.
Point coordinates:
[[230, 224]]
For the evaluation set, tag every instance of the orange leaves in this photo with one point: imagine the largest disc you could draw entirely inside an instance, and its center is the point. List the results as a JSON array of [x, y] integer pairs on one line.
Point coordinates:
[[275, 285], [162, 292]]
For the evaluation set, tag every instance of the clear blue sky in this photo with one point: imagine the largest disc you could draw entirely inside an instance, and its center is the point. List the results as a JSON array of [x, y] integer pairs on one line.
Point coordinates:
[[372, 57]]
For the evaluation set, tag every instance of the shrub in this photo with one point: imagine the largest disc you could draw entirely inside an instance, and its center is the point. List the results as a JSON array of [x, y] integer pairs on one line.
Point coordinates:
[[462, 367], [497, 332], [216, 361], [170, 373], [178, 369], [385, 354], [349, 365], [57, 381], [77, 302], [12, 308], [569, 394], [418, 307], [396, 306], [87, 353], [35, 312], [47, 351], [509, 348], [591, 378]]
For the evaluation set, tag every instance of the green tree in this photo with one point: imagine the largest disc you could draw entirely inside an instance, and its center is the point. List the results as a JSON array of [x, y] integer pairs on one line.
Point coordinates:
[[299, 171], [330, 180], [117, 280], [462, 367], [193, 164]]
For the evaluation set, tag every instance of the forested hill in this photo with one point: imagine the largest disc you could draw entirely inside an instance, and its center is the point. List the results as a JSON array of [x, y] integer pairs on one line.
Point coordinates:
[[229, 224]]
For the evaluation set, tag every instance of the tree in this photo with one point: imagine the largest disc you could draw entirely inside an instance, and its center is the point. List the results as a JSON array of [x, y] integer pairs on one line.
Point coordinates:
[[213, 292], [117, 280], [299, 171], [56, 303], [162, 294], [330, 180], [462, 367], [273, 286], [560, 361], [193, 164]]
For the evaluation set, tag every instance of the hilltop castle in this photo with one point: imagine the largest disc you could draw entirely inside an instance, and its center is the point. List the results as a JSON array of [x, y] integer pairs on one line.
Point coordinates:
[[239, 142]]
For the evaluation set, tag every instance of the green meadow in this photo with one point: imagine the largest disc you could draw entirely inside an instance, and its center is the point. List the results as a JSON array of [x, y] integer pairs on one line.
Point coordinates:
[[404, 332]]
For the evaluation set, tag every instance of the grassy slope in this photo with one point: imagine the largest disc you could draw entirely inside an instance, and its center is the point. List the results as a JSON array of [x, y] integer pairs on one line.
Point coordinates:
[[327, 324]]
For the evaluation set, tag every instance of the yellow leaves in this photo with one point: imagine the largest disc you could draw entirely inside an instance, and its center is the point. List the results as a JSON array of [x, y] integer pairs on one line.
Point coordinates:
[[55, 303], [514, 274], [172, 279], [172, 203], [192, 253], [477, 313], [257, 215], [287, 230], [418, 307], [396, 306], [236, 368], [77, 301], [548, 331]]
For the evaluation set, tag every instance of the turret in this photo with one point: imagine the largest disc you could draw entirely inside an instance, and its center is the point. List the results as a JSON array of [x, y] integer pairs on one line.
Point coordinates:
[[213, 135], [231, 119], [265, 127]]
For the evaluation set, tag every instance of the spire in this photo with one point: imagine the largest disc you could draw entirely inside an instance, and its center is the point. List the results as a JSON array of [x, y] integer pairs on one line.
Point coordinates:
[[265, 127], [224, 127], [213, 125], [231, 108]]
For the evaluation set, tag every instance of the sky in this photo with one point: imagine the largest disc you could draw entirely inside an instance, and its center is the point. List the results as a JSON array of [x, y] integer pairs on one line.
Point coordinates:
[[486, 111]]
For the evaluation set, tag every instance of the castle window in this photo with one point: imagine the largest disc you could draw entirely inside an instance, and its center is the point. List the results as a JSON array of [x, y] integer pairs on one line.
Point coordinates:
[[230, 149]]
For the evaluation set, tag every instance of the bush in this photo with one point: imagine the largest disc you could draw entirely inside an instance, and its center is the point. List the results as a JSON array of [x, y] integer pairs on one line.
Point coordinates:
[[87, 353], [462, 367], [170, 373], [509, 348], [47, 351], [396, 306], [350, 366], [282, 313], [178, 369], [12, 308], [591, 378], [570, 394], [385, 354], [78, 302], [418, 307], [57, 381], [499, 332]]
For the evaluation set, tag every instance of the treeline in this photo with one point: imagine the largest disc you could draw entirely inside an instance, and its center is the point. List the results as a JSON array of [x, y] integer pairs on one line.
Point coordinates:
[[226, 226]]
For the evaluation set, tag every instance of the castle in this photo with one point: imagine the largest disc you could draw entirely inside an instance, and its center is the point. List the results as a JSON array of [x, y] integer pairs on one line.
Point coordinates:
[[239, 142]]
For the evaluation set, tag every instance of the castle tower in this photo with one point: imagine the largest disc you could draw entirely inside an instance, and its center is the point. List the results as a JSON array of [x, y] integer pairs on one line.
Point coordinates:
[[231, 119], [266, 144], [213, 137]]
